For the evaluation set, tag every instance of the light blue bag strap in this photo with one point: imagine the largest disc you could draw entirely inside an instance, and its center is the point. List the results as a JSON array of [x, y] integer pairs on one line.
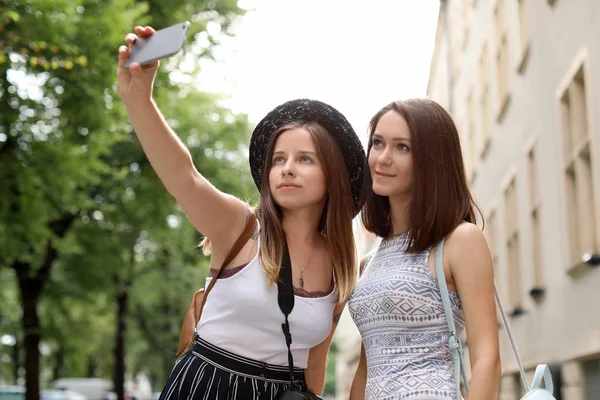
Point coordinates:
[[511, 339], [542, 372], [453, 341]]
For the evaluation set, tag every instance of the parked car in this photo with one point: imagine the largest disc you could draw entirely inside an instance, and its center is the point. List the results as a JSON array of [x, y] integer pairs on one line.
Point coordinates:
[[91, 388], [12, 393], [113, 396], [61, 395]]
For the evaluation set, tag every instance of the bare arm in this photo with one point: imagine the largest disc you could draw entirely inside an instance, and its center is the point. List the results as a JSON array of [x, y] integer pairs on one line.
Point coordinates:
[[215, 214], [359, 383], [317, 358], [470, 262]]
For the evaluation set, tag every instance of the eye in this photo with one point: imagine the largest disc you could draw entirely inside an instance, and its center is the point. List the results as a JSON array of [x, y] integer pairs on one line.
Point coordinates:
[[305, 158], [377, 143], [277, 159], [403, 147]]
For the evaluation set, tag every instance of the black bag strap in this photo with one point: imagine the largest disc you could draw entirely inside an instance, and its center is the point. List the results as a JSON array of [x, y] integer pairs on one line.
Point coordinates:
[[285, 298]]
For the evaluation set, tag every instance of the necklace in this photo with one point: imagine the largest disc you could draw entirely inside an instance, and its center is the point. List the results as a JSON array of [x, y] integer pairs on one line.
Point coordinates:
[[301, 281]]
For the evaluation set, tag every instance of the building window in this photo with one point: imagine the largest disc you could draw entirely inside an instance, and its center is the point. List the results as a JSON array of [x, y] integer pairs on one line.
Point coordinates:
[[518, 386], [511, 387], [534, 220], [578, 172], [471, 136], [591, 372], [502, 59], [492, 234], [515, 297], [486, 115], [579, 183], [463, 135], [524, 32], [458, 28], [465, 22]]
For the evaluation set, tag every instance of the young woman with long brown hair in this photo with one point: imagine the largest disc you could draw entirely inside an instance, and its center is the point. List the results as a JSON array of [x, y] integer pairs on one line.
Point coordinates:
[[308, 164], [417, 198]]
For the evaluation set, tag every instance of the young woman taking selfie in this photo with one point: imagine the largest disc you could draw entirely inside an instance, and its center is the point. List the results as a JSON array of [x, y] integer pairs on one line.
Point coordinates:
[[308, 165]]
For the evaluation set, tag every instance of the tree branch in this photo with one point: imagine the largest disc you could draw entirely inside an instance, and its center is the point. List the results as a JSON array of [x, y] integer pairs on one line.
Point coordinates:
[[9, 145], [61, 225]]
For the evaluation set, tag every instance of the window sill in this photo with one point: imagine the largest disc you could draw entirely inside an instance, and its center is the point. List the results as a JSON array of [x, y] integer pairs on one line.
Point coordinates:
[[516, 312], [524, 61], [485, 148], [473, 176], [535, 206], [588, 262], [503, 108], [537, 292]]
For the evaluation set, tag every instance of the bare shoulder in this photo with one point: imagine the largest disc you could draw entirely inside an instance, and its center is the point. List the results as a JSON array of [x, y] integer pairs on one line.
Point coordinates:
[[467, 245], [466, 234]]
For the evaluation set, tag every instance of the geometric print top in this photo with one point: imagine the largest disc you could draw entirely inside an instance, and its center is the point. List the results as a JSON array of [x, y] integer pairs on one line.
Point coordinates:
[[397, 308]]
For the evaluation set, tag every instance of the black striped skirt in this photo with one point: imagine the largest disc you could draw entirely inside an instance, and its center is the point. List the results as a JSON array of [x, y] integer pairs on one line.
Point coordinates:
[[208, 372]]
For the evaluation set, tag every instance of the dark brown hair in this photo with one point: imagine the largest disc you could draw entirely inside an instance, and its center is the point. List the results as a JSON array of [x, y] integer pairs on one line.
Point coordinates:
[[440, 198], [336, 221]]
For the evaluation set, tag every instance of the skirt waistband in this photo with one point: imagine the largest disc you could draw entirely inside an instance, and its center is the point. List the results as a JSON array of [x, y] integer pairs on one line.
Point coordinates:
[[243, 366]]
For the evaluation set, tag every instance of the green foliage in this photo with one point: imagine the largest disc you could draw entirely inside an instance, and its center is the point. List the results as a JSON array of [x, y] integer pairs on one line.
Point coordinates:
[[330, 378], [74, 179]]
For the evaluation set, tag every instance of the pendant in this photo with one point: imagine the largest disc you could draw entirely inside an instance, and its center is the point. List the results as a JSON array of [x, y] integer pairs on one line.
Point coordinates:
[[302, 282]]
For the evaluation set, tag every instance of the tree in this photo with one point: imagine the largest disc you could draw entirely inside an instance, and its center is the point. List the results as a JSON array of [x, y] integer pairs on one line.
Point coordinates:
[[47, 158], [64, 147]]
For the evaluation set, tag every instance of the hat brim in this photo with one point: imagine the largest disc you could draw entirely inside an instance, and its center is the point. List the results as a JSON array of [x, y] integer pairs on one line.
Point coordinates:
[[314, 111]]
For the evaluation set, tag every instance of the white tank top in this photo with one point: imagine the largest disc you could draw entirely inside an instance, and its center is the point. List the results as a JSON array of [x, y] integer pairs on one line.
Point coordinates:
[[242, 316]]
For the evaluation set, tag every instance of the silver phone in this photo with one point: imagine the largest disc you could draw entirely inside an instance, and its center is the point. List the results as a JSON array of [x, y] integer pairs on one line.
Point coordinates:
[[163, 43]]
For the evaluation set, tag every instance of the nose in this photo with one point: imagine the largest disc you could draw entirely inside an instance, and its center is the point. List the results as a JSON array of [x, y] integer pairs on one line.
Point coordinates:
[[384, 157], [288, 168]]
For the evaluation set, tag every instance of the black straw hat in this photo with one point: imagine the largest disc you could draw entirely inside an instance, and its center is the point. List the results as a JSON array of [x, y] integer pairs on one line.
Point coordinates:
[[310, 111]]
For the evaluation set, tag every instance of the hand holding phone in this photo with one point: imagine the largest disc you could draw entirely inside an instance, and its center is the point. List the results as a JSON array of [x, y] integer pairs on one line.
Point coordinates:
[[161, 44], [138, 63]]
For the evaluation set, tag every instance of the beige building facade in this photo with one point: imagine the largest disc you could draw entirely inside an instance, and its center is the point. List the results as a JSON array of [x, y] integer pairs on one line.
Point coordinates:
[[522, 80], [347, 338]]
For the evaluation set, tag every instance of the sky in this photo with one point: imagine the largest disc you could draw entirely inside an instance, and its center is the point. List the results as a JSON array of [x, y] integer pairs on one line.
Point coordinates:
[[355, 55]]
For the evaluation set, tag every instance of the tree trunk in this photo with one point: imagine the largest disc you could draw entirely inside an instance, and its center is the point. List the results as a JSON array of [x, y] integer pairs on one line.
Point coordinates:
[[31, 282], [59, 362], [92, 367], [16, 360], [30, 289], [119, 352]]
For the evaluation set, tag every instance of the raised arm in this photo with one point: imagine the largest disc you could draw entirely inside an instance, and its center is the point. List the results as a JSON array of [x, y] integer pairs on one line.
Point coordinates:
[[215, 214]]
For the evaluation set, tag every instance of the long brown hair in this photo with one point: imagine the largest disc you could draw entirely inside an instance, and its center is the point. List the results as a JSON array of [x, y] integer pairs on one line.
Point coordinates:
[[440, 198], [336, 220]]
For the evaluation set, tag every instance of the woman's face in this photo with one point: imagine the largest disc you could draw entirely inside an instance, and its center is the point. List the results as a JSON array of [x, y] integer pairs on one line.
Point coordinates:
[[390, 158], [296, 178]]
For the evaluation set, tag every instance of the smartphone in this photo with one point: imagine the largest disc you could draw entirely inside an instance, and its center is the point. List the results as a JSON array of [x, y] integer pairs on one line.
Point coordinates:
[[163, 43]]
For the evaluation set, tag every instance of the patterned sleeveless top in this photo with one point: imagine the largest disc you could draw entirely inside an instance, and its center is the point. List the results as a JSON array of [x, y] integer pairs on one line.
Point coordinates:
[[397, 307]]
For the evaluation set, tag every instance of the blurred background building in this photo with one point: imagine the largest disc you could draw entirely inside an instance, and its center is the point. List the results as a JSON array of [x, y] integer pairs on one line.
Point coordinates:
[[522, 81], [347, 338]]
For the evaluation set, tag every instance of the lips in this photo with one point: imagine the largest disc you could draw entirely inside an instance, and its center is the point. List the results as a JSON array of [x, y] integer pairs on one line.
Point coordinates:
[[287, 186], [384, 175]]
